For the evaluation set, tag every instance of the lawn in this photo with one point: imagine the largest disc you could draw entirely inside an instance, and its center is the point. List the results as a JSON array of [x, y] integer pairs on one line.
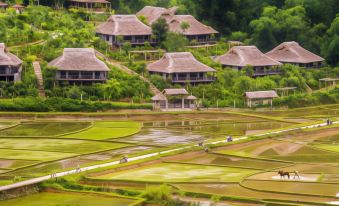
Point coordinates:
[[107, 130], [63, 199], [33, 155], [58, 145], [41, 129], [171, 172]]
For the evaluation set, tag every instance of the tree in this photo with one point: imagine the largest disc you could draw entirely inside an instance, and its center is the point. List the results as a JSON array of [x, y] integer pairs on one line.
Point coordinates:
[[112, 89], [184, 26], [175, 42], [160, 29]]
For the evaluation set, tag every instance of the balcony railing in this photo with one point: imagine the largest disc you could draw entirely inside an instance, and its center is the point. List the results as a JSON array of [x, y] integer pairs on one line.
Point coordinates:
[[269, 72], [81, 77], [193, 79], [138, 41], [7, 72]]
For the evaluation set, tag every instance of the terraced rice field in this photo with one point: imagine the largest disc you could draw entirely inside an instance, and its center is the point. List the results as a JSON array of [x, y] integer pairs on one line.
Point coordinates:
[[64, 198]]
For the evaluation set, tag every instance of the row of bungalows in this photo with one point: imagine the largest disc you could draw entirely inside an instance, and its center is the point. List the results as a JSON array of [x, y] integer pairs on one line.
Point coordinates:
[[119, 29], [239, 57]]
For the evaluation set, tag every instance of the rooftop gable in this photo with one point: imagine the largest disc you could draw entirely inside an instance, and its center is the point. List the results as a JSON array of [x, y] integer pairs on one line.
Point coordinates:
[[152, 13], [292, 52], [7, 58], [79, 59], [178, 62], [124, 25], [261, 94], [241, 56]]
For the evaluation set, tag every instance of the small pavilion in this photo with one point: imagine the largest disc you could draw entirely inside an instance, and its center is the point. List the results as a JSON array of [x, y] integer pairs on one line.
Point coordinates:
[[329, 82], [18, 8], [3, 5], [174, 99], [260, 98], [284, 91], [97, 5]]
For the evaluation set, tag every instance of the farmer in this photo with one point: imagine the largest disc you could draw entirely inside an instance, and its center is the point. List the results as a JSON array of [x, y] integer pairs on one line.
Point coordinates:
[[229, 138], [201, 144], [296, 174], [124, 160], [206, 149]]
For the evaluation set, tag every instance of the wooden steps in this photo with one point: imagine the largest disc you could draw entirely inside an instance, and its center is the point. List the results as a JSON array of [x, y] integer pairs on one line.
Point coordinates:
[[38, 74]]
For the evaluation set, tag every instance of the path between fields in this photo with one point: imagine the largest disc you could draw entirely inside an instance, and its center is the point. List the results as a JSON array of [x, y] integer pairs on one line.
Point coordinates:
[[132, 159]]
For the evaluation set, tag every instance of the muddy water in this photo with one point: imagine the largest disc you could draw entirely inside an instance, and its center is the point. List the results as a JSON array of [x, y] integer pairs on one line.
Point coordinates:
[[183, 132]]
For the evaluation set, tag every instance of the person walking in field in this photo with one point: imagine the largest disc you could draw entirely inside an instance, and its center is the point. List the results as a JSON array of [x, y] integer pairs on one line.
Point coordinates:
[[296, 174]]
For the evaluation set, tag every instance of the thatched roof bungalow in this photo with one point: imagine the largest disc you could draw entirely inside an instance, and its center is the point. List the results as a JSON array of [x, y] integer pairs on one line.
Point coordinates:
[[293, 53], [196, 32], [182, 67], [119, 29], [80, 66], [239, 57], [10, 65], [174, 99], [260, 98], [3, 5]]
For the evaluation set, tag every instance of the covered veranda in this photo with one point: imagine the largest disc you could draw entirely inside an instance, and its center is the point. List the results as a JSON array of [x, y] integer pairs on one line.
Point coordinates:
[[328, 82], [94, 5]]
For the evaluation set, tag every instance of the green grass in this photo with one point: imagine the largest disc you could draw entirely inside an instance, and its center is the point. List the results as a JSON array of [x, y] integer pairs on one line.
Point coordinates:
[[58, 145], [63, 199], [6, 124], [33, 155], [171, 172], [333, 147], [107, 130], [42, 129]]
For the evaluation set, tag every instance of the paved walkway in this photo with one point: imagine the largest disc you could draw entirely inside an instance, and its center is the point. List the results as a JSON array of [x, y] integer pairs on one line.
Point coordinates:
[[38, 74], [132, 159]]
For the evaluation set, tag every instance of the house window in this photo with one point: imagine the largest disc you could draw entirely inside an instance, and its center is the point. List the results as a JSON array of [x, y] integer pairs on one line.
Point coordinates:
[[107, 38]]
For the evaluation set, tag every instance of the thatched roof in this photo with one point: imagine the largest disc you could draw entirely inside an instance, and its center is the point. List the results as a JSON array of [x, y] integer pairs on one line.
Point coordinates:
[[195, 27], [91, 1], [178, 62], [159, 97], [18, 6], [241, 56], [79, 59], [152, 13], [292, 52], [191, 97], [124, 25], [174, 21], [7, 58], [261, 95], [3, 4], [175, 92]]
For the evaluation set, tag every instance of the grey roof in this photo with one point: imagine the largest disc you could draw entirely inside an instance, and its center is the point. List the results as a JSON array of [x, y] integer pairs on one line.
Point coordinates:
[[178, 62], [124, 25], [79, 59], [261, 94], [7, 58]]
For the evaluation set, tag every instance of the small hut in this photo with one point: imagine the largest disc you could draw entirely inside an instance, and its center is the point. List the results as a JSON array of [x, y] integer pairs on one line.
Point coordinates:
[[182, 68], [3, 5], [239, 57], [293, 53], [10, 65], [80, 66], [174, 99], [94, 5], [196, 32], [260, 98], [119, 29], [18, 8]]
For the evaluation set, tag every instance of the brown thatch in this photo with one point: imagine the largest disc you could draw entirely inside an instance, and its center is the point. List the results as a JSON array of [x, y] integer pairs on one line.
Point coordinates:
[[178, 62], [18, 6], [292, 52], [7, 58], [79, 59], [159, 97], [124, 25], [152, 13], [175, 21], [261, 95], [191, 97], [241, 56], [195, 27], [91, 1], [3, 4], [175, 92]]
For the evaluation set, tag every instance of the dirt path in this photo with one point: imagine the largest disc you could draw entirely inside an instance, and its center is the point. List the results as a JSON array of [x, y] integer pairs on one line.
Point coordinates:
[[125, 69], [42, 41]]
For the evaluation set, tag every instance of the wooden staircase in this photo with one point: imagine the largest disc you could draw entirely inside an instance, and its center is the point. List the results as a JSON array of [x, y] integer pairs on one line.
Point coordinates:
[[38, 74]]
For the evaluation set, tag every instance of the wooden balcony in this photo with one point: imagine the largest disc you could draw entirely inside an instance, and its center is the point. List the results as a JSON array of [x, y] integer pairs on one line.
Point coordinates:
[[193, 79]]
